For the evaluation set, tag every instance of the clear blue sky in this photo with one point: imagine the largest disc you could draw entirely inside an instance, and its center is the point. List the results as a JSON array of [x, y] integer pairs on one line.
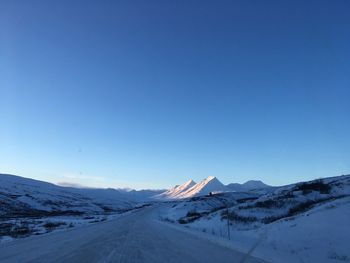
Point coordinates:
[[148, 94]]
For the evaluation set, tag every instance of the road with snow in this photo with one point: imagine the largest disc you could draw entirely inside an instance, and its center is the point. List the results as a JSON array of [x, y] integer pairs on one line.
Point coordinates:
[[137, 237]]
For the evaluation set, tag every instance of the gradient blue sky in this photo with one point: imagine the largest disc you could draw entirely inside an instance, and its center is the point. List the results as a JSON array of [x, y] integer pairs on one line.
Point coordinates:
[[148, 94]]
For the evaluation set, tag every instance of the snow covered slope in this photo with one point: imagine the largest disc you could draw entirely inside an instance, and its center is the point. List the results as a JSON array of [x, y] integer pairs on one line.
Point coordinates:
[[176, 191], [143, 195], [208, 185], [23, 197], [192, 189], [302, 222]]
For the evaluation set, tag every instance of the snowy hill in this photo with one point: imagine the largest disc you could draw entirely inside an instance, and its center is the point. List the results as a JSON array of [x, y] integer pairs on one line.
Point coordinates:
[[307, 220], [247, 186], [23, 197], [143, 195], [32, 207]]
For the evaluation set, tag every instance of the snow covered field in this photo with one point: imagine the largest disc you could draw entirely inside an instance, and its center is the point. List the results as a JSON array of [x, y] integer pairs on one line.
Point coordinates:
[[306, 222], [137, 237], [31, 207], [25, 227]]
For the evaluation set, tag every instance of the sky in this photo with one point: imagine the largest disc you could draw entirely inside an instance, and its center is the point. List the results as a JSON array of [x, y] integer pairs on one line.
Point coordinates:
[[148, 94]]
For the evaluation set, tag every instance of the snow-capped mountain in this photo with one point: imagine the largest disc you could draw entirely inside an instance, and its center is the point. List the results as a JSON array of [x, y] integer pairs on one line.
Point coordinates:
[[210, 184], [176, 191], [192, 189], [247, 186]]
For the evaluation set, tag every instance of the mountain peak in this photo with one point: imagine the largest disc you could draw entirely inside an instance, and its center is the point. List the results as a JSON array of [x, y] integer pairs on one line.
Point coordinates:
[[209, 178], [191, 189], [210, 184], [174, 192]]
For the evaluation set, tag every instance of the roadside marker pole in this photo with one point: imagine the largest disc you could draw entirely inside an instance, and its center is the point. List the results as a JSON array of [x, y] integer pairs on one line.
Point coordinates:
[[228, 224], [227, 214]]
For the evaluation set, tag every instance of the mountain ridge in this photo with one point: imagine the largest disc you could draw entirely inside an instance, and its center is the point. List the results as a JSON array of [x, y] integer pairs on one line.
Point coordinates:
[[176, 190], [208, 185], [247, 186], [192, 189]]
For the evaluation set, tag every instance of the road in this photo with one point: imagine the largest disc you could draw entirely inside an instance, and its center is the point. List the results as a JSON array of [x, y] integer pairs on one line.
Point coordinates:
[[136, 237]]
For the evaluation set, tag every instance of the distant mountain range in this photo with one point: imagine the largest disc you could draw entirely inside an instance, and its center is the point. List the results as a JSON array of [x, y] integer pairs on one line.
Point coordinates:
[[247, 186], [209, 185], [20, 195]]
